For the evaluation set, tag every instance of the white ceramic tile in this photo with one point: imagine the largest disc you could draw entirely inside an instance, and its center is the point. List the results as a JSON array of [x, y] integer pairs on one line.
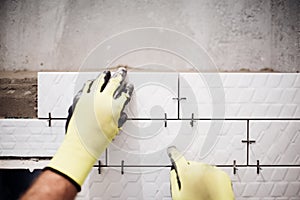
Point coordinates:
[[57, 89], [111, 184], [153, 95], [277, 142], [145, 142], [151, 99], [30, 137], [218, 143], [240, 95], [271, 183]]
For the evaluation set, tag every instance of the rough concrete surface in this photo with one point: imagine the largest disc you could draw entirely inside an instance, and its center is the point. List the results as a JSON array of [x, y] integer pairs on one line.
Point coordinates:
[[237, 34], [18, 94]]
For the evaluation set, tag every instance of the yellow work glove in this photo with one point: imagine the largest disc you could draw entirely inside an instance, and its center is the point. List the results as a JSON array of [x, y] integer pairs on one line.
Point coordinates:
[[197, 181], [96, 116]]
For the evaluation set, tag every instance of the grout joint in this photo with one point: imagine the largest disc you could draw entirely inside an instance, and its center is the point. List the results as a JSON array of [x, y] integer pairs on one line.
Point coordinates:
[[166, 120], [257, 167], [99, 166], [234, 167], [192, 120], [122, 167], [49, 120]]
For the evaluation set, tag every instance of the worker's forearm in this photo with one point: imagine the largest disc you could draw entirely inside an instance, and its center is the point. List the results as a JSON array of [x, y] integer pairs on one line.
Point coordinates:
[[50, 185]]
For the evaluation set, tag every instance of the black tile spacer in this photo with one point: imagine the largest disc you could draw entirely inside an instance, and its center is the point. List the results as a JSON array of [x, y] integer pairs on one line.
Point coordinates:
[[248, 141], [234, 167], [192, 120], [49, 120], [122, 167], [165, 120], [179, 99], [257, 167], [99, 166]]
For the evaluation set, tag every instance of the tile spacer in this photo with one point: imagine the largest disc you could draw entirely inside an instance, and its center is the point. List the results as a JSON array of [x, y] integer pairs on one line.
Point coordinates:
[[50, 118], [248, 141], [165, 120], [234, 167], [257, 167], [179, 99], [99, 166], [192, 120], [122, 167]]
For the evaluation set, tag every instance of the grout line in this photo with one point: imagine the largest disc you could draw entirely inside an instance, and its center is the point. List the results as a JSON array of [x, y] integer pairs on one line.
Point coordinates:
[[248, 142], [38, 158], [25, 158], [231, 119], [178, 94], [106, 156], [237, 166]]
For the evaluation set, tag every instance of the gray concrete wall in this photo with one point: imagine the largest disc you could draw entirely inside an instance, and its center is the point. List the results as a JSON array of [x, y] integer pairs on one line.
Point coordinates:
[[58, 34]]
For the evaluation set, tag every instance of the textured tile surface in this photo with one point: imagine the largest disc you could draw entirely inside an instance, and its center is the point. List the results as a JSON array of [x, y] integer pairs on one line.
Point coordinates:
[[240, 95], [30, 137], [151, 99], [277, 142], [145, 142], [111, 184], [56, 91], [271, 183], [153, 95]]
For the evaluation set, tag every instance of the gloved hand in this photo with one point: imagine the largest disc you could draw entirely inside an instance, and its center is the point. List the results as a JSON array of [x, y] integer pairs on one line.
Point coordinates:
[[197, 181], [98, 115]]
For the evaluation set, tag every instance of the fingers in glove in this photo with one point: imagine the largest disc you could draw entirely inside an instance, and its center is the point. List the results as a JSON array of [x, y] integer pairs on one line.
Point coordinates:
[[174, 184], [116, 80], [100, 82], [122, 119], [122, 99], [87, 86], [124, 88], [70, 113], [125, 96], [179, 163]]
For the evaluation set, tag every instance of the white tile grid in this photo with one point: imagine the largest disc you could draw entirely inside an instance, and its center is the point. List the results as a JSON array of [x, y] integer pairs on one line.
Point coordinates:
[[276, 142], [145, 143], [247, 95], [226, 147], [151, 99], [110, 184], [30, 137], [271, 183], [56, 91]]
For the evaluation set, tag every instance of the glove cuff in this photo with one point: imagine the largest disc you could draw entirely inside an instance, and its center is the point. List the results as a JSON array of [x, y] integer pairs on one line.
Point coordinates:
[[78, 187]]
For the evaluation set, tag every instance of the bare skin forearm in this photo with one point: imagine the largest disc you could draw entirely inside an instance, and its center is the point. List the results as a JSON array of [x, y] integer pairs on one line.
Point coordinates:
[[50, 185]]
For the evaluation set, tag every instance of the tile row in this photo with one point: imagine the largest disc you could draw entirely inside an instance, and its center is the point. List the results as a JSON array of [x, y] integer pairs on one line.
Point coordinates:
[[271, 183], [211, 141], [144, 142], [30, 137], [206, 95]]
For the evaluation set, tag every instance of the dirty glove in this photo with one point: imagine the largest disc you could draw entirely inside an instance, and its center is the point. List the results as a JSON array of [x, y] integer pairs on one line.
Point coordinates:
[[98, 115], [197, 181]]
